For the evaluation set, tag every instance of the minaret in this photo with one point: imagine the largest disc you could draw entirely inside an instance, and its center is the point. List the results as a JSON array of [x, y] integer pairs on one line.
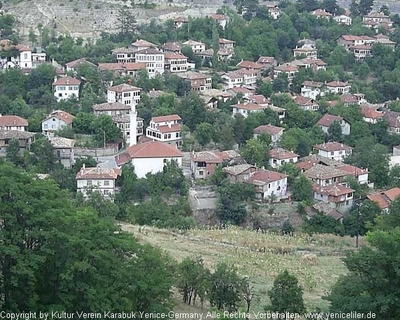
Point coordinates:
[[133, 125]]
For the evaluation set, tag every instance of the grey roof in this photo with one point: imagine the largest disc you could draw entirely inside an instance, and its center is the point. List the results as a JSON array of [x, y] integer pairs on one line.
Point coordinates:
[[320, 171], [15, 134], [110, 106], [60, 142], [238, 169], [327, 210]]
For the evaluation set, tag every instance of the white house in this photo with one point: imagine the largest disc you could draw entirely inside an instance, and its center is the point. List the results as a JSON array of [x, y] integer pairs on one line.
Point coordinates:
[[165, 129], [312, 89], [124, 93], [13, 123], [269, 183], [221, 19], [56, 120], [176, 62], [246, 108], [232, 79], [327, 119], [63, 150], [370, 114], [361, 175], [124, 55], [65, 88], [279, 156], [273, 131], [97, 179], [141, 45], [338, 87], [20, 56], [337, 196], [333, 150], [195, 45], [226, 44], [154, 60], [150, 157], [343, 19]]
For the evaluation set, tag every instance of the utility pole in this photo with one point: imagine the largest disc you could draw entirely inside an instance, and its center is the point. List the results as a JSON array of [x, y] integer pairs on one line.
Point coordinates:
[[358, 222], [104, 138]]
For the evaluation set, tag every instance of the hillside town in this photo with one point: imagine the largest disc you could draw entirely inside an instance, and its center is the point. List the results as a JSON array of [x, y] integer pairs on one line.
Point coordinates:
[[271, 116]]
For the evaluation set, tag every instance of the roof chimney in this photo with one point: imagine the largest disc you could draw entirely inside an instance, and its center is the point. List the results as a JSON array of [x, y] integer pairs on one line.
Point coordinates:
[[84, 166]]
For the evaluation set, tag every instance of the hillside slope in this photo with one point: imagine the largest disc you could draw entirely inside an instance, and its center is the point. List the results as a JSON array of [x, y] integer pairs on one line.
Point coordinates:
[[88, 18], [260, 256]]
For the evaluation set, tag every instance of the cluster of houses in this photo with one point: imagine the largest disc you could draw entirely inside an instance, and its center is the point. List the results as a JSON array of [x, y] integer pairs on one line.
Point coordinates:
[[150, 148]]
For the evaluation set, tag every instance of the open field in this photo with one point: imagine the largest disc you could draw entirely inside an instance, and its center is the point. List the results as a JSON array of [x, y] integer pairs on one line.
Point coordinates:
[[260, 256]]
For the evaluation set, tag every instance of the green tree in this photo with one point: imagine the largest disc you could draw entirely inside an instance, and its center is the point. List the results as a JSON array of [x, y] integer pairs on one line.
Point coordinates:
[[286, 294], [105, 130], [335, 131], [225, 288], [204, 133], [193, 280], [231, 201], [256, 152], [302, 189], [372, 284], [55, 254], [12, 152], [44, 153]]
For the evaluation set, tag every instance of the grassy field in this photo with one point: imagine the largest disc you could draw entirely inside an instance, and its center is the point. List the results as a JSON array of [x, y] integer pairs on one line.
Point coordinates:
[[259, 256]]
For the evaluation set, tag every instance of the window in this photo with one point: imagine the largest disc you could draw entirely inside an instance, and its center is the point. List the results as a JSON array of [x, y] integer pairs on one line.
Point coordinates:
[[200, 173], [89, 183], [106, 192], [106, 183], [332, 153], [177, 135], [165, 161], [45, 126]]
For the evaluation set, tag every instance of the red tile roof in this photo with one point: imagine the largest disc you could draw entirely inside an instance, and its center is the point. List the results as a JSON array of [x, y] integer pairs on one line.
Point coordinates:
[[332, 146], [250, 65], [352, 169], [63, 81], [336, 84], [77, 62], [332, 190], [313, 84], [282, 154], [205, 156], [222, 40], [143, 44], [269, 129], [62, 115], [379, 199], [10, 121], [171, 117], [249, 106], [151, 149], [327, 119], [348, 98], [392, 194], [173, 128], [123, 88], [170, 56], [265, 176], [97, 173]]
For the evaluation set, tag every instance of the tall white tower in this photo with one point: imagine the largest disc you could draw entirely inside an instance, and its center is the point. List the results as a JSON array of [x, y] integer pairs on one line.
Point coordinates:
[[133, 125]]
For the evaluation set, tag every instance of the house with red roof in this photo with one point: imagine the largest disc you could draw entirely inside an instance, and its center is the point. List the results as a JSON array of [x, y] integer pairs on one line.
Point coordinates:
[[337, 196], [73, 66], [240, 172], [327, 119], [370, 114], [333, 150], [246, 108], [361, 175], [175, 62], [312, 89], [269, 183], [13, 123], [66, 87], [306, 104], [274, 131], [384, 198], [280, 156], [149, 157], [56, 120], [165, 129], [204, 163], [321, 13], [97, 179], [338, 87]]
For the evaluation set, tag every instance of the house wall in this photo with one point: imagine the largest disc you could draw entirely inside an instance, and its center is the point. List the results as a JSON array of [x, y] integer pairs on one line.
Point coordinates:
[[203, 172], [276, 163], [151, 165], [51, 125], [129, 98], [97, 184], [363, 178], [65, 156], [278, 188], [66, 92], [25, 59], [155, 63], [17, 128], [336, 155]]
